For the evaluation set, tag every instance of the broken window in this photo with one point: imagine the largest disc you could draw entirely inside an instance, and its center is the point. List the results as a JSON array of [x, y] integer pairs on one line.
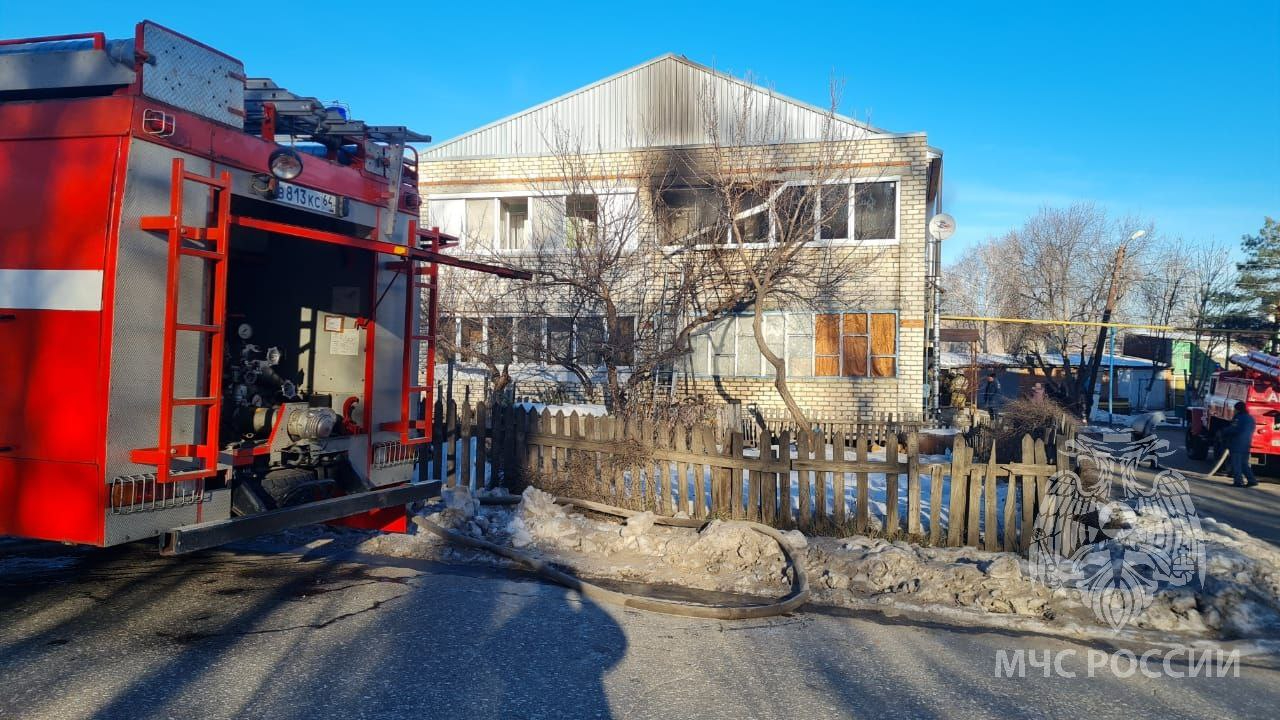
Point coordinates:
[[856, 345], [833, 209], [515, 224], [751, 215], [793, 214], [875, 213], [688, 213], [581, 215]]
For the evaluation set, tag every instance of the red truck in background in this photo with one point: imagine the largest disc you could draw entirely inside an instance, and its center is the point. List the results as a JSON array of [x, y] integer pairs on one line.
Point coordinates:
[[1257, 383]]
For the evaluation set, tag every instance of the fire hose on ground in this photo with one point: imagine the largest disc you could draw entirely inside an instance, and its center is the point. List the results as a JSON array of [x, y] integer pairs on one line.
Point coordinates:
[[798, 595]]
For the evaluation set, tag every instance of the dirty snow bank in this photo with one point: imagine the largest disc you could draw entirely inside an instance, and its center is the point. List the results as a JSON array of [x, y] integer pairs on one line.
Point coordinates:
[[1240, 596]]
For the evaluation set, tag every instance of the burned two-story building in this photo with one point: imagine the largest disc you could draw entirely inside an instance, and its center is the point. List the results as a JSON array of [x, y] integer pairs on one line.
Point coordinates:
[[861, 350]]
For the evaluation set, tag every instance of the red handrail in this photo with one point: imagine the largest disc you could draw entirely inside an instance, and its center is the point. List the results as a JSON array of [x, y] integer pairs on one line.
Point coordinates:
[[99, 39]]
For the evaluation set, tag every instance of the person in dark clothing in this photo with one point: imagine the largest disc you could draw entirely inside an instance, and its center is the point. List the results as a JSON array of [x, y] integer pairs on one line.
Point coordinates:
[[1236, 438], [990, 393]]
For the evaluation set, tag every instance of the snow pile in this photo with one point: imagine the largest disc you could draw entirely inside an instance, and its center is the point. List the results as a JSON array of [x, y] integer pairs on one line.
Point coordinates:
[[722, 556], [1242, 582], [1240, 596]]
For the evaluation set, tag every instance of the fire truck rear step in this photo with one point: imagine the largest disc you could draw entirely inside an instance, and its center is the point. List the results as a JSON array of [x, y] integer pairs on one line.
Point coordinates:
[[200, 536]]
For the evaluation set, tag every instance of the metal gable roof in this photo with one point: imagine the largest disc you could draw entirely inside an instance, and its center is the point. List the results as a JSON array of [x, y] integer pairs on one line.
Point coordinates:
[[655, 104]]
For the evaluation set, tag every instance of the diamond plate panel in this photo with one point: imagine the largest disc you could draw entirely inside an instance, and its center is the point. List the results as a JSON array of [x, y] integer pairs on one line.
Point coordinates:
[[190, 76], [137, 333]]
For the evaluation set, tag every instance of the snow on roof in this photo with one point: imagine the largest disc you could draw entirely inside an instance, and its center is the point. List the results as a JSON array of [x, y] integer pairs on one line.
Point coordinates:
[[956, 360], [953, 360]]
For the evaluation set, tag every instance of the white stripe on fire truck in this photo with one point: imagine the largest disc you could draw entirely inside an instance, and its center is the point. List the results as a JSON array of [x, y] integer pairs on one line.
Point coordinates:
[[50, 289]]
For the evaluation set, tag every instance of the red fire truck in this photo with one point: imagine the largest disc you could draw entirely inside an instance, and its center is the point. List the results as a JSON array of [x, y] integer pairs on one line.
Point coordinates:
[[212, 319], [1257, 383]]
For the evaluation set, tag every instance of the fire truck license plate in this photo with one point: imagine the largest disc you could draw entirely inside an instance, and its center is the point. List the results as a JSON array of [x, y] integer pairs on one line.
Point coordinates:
[[307, 199]]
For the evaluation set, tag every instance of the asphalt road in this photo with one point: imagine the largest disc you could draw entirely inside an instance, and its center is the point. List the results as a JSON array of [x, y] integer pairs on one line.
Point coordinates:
[[1255, 510], [124, 633]]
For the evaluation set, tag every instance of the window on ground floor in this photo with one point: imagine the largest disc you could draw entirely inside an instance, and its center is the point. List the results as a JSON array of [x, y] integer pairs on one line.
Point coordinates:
[[847, 344]]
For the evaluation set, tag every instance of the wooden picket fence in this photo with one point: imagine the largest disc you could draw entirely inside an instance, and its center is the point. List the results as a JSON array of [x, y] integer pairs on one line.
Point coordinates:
[[882, 428], [819, 482]]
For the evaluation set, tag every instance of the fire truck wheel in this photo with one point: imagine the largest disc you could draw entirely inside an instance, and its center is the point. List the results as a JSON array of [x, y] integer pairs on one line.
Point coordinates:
[[290, 486]]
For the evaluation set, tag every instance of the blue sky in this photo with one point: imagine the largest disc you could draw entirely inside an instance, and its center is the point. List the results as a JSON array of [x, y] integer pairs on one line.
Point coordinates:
[[1167, 110]]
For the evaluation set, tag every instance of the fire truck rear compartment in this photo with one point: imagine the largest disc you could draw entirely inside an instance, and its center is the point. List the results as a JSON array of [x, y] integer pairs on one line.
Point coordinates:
[[294, 371]]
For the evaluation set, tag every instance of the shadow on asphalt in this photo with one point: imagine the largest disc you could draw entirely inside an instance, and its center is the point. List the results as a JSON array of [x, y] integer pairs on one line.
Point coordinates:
[[290, 636]]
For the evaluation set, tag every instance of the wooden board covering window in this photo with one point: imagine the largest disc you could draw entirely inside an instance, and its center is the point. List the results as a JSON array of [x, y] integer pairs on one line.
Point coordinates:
[[884, 334], [883, 367], [826, 345], [855, 323], [855, 356]]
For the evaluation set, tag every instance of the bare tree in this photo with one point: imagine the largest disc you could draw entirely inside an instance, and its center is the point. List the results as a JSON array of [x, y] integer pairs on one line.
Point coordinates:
[[768, 237], [1060, 265], [633, 253]]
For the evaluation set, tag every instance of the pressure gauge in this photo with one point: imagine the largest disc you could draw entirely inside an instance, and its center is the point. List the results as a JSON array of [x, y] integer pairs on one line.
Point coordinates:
[[245, 331]]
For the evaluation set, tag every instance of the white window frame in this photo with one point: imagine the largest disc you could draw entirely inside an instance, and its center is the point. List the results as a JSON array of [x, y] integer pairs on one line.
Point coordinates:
[[817, 215], [531, 197], [788, 338]]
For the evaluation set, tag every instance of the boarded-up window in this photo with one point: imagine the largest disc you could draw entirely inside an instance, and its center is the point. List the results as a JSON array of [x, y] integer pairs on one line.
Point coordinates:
[[472, 336], [855, 345], [884, 344], [854, 357], [826, 345], [701, 352]]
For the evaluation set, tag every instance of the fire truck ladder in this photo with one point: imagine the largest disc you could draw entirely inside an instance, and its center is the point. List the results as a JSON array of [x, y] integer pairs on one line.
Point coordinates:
[[209, 245], [413, 425]]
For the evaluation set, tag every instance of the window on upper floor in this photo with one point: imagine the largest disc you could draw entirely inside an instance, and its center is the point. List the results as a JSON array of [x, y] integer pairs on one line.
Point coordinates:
[[858, 211], [875, 210], [581, 220], [687, 212], [515, 223], [480, 222]]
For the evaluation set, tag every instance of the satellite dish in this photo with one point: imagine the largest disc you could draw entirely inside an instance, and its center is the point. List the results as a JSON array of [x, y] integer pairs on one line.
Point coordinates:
[[942, 226]]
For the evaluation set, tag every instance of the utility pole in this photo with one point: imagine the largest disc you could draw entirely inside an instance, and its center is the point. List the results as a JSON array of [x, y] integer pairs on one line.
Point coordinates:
[[1096, 362]]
